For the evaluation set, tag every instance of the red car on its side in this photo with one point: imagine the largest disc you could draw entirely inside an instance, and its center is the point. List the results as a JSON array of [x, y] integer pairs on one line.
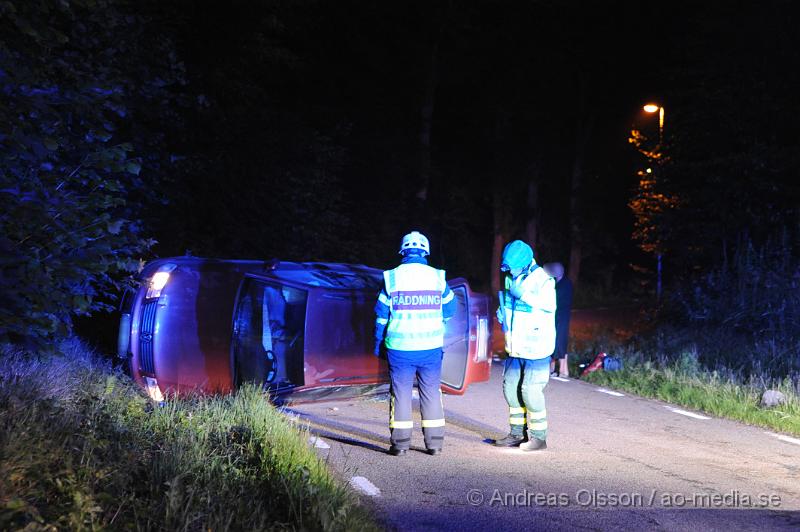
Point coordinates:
[[301, 330]]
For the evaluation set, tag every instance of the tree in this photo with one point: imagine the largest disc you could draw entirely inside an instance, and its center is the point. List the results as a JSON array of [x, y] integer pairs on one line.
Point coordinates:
[[651, 205], [262, 154], [71, 76], [731, 174]]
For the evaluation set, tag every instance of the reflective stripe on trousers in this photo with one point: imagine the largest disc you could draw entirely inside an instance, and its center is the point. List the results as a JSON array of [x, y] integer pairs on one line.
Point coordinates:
[[523, 386], [516, 416], [402, 373]]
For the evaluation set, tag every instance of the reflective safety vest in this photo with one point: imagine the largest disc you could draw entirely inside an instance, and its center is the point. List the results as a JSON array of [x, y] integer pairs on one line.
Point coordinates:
[[415, 300], [530, 320]]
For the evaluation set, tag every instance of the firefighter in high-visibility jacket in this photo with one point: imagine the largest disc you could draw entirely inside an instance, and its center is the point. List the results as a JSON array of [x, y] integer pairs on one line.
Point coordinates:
[[410, 317], [527, 315]]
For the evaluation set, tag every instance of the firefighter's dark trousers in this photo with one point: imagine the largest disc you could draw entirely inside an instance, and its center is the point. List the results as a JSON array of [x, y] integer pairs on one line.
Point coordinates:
[[523, 386], [426, 367]]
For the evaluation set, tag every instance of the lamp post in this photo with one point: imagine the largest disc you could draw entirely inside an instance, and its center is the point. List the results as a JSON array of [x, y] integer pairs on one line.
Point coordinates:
[[653, 108]]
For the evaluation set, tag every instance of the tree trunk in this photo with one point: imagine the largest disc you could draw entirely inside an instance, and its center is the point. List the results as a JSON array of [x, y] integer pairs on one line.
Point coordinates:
[[426, 124], [426, 113], [583, 133], [501, 196], [501, 217], [532, 223], [575, 248]]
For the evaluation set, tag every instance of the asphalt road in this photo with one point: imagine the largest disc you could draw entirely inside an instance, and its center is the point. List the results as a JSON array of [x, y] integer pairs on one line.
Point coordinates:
[[614, 462]]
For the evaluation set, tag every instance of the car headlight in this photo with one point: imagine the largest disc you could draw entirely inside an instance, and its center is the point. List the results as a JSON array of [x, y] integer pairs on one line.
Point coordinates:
[[158, 281]]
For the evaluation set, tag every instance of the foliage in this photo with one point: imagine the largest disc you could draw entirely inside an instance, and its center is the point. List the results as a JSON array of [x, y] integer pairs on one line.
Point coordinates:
[[83, 449], [745, 314], [731, 134], [651, 206], [74, 76]]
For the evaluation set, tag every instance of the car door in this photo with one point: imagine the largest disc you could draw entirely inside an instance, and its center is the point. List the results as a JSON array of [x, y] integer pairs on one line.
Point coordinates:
[[340, 340], [334, 349], [466, 340]]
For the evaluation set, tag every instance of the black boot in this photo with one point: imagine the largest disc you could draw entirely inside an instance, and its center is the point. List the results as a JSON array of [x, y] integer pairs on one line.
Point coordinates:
[[511, 440], [394, 451]]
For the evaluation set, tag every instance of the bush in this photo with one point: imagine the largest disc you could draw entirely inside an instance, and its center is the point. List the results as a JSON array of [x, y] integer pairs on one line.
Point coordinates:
[[744, 315]]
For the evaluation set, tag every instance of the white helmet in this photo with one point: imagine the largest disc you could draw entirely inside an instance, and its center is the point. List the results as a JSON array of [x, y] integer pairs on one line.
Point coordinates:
[[415, 240]]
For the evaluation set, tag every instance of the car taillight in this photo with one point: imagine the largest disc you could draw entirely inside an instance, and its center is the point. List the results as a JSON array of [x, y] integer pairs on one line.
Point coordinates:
[[482, 340]]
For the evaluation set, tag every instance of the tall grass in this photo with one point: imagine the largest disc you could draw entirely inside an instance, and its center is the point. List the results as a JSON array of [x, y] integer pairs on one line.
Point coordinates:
[[682, 380], [81, 448]]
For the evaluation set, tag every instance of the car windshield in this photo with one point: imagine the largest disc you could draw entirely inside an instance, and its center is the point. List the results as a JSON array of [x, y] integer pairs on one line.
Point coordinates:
[[330, 278], [269, 327]]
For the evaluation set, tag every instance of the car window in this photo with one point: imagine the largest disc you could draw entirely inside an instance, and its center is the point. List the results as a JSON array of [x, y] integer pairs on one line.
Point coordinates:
[[357, 280], [269, 328], [456, 342]]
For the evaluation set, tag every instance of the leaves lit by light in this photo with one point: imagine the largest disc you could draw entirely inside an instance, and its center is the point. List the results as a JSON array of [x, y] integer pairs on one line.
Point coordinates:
[[639, 141], [652, 203]]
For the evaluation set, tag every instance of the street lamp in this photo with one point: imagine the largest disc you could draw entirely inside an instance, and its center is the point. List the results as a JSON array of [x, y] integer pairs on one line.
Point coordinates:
[[653, 108]]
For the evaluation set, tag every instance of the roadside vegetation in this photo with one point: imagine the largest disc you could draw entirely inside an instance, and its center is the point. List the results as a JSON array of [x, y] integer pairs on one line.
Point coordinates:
[[718, 393], [81, 448], [718, 342]]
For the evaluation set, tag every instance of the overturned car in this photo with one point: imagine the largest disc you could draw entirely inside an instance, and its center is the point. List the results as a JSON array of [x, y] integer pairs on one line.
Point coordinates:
[[303, 331]]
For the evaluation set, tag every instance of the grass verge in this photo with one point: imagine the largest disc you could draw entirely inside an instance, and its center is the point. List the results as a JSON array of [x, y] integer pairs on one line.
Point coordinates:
[[81, 448], [684, 383]]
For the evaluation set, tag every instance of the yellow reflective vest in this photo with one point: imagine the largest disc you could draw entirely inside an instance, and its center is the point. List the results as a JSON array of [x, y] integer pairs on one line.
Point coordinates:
[[415, 300], [530, 321]]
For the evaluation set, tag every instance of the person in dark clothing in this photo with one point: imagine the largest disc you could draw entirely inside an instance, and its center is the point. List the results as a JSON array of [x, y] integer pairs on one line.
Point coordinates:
[[563, 310]]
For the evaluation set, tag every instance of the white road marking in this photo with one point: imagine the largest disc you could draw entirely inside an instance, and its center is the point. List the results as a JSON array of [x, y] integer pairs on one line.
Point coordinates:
[[609, 392], [784, 438], [562, 379], [365, 486], [318, 442], [685, 413]]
